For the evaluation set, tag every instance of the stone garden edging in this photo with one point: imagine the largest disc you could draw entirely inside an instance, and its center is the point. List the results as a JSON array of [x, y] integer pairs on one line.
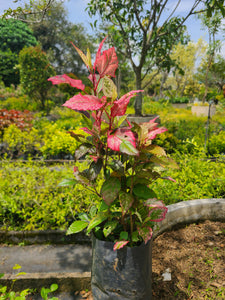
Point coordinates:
[[187, 212]]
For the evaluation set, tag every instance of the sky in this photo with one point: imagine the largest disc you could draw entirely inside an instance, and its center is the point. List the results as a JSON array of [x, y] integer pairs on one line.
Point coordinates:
[[77, 14]]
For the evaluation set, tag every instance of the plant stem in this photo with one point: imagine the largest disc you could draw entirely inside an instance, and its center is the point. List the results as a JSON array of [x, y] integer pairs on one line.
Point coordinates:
[[131, 225]]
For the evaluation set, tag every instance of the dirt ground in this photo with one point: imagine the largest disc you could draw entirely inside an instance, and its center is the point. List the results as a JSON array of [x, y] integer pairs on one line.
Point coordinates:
[[194, 255]]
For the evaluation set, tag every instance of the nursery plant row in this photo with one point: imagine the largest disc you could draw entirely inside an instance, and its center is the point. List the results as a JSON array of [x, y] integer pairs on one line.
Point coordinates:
[[32, 199]]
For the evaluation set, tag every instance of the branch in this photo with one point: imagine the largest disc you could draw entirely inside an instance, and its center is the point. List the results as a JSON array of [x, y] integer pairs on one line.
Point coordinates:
[[128, 48], [153, 76], [137, 16], [21, 13]]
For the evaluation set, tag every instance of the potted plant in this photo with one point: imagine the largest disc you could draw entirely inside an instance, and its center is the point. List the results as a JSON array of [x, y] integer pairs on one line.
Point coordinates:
[[121, 164]]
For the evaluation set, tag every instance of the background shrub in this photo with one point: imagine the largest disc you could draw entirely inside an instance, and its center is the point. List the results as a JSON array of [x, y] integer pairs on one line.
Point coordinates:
[[31, 199]]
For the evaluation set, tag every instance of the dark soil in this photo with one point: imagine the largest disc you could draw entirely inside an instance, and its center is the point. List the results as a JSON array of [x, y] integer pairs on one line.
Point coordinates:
[[195, 257]]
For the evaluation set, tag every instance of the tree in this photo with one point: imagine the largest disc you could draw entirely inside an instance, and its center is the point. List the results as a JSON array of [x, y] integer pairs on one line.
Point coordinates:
[[145, 33], [216, 73], [35, 8], [35, 69], [213, 25], [14, 35], [55, 34], [8, 74], [186, 56]]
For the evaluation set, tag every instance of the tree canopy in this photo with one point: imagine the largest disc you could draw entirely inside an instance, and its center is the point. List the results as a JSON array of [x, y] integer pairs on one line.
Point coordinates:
[[35, 69], [14, 36], [55, 34], [146, 31]]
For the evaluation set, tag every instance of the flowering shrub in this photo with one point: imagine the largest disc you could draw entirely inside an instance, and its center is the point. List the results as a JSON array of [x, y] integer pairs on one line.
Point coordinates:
[[21, 119], [119, 153]]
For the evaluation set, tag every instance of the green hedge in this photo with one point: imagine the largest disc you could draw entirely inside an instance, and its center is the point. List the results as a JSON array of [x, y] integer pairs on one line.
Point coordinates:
[[31, 199]]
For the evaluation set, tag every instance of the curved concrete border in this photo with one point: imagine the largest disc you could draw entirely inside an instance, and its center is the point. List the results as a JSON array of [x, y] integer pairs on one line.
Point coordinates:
[[187, 212]]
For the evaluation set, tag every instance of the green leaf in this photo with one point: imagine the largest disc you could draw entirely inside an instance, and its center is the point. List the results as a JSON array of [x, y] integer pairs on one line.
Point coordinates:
[[165, 162], [44, 293], [123, 235], [110, 189], [135, 237], [109, 227], [11, 296], [78, 137], [103, 206], [83, 177], [100, 85], [84, 149], [139, 216], [2, 275], [155, 150], [87, 121], [95, 169], [67, 182], [143, 192], [126, 201], [93, 211], [54, 287], [84, 217], [77, 226], [128, 148], [121, 120], [117, 166], [109, 88], [101, 217]]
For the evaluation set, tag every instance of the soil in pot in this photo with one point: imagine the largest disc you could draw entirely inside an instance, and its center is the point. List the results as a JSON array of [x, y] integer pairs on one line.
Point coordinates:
[[194, 255]]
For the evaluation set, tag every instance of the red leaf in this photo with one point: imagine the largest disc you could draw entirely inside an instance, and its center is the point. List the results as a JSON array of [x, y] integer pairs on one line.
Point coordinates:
[[120, 106], [84, 102], [120, 244], [114, 140], [107, 63], [66, 79], [98, 54]]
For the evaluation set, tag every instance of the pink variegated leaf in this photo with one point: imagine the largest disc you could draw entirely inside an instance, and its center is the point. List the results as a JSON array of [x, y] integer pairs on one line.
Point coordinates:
[[98, 54], [158, 208], [95, 158], [120, 244], [120, 106], [107, 63], [145, 233], [114, 140], [84, 102], [66, 79], [152, 121], [153, 133], [85, 129], [168, 178]]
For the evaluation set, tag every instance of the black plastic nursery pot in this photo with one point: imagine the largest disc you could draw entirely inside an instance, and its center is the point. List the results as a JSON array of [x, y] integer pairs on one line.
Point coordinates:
[[121, 274]]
